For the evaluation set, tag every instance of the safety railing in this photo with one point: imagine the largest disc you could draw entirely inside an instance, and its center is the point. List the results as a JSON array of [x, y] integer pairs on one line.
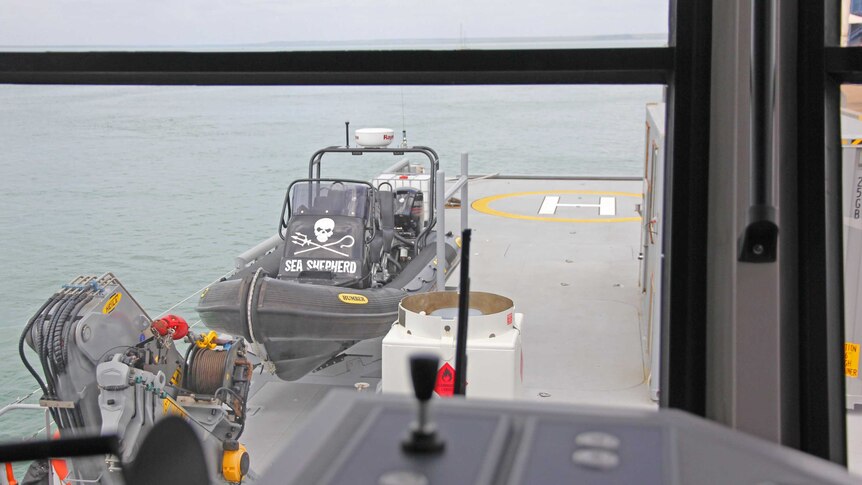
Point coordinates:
[[442, 196], [20, 405]]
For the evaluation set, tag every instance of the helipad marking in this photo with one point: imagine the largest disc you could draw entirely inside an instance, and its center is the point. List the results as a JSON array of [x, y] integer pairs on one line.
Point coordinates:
[[483, 205], [607, 206]]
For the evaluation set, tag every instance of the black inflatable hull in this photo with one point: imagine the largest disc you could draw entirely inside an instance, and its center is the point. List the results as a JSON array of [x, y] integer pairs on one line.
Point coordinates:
[[303, 325]]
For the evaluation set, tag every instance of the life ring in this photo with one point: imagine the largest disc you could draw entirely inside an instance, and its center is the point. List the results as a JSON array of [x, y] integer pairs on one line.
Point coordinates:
[[10, 475], [58, 464]]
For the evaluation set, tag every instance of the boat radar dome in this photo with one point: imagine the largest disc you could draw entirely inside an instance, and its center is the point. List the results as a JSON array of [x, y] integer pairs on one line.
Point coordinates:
[[374, 137]]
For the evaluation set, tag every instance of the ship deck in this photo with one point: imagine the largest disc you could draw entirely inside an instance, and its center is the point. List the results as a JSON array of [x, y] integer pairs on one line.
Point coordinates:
[[572, 273]]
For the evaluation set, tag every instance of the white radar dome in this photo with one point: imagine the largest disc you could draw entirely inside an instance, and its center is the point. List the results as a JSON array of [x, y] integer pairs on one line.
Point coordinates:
[[374, 137]]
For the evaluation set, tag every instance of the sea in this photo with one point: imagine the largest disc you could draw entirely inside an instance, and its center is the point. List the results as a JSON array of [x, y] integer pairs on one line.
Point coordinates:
[[164, 186]]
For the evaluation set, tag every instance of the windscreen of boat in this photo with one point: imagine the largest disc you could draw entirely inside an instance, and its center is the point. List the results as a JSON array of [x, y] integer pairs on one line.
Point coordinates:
[[330, 198]]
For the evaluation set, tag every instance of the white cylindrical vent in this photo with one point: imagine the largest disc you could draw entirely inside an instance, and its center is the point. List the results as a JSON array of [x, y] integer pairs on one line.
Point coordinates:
[[428, 322]]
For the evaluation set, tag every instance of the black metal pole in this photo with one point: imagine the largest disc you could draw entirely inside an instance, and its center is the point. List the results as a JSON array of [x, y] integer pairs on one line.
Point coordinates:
[[463, 315], [762, 100], [62, 448], [347, 134], [759, 241]]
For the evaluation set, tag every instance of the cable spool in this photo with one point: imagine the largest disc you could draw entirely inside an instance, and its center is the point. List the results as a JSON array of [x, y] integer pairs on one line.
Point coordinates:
[[208, 370], [223, 375]]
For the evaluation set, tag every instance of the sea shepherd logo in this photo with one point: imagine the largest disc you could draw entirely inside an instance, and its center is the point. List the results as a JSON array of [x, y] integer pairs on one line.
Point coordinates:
[[352, 298]]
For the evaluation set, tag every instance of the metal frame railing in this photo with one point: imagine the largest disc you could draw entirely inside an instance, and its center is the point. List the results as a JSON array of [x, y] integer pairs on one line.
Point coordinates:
[[21, 406], [442, 196]]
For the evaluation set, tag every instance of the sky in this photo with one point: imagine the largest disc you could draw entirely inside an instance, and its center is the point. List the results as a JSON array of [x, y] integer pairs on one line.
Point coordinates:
[[235, 22]]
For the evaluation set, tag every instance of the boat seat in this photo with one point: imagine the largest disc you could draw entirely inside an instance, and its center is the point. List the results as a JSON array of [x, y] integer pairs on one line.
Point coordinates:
[[381, 243], [333, 202], [322, 205], [387, 217]]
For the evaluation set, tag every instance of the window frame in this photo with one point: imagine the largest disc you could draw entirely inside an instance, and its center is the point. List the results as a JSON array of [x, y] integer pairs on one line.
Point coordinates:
[[822, 414], [683, 67]]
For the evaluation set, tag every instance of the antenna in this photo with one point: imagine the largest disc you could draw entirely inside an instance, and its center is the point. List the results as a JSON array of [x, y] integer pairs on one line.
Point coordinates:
[[403, 123], [463, 316], [347, 134]]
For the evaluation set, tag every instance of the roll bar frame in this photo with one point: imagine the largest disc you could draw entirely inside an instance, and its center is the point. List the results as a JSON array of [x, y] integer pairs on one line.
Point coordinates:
[[314, 165]]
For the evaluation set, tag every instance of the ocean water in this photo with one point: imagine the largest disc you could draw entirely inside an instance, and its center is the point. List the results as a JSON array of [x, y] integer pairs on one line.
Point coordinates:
[[163, 186]]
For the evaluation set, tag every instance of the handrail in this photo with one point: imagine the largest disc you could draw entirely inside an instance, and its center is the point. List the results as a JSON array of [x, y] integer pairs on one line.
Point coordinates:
[[12, 407], [286, 209], [433, 158], [397, 165], [18, 447], [259, 249], [442, 196]]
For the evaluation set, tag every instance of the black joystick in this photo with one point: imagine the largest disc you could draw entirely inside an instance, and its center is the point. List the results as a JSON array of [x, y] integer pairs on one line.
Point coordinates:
[[423, 437]]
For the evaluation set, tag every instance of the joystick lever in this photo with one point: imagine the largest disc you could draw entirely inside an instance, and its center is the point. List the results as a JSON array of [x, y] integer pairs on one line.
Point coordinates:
[[423, 435]]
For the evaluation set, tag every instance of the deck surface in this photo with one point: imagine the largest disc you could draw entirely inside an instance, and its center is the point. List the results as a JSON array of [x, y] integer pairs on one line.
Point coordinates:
[[575, 282], [574, 277]]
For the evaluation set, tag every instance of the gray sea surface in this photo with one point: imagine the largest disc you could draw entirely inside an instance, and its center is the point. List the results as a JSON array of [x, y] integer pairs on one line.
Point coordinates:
[[163, 186]]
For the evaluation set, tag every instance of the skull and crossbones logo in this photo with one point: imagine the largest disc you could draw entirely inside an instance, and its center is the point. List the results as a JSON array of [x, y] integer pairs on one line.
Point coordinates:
[[324, 229]]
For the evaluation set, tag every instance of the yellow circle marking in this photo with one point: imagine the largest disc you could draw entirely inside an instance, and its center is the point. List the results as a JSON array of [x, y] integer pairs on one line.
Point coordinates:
[[483, 205]]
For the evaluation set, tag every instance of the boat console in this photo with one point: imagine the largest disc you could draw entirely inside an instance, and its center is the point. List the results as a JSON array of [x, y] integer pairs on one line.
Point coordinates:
[[361, 438]]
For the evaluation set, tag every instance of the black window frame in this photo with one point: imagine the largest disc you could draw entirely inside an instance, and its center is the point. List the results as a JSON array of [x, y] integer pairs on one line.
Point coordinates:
[[683, 67], [822, 67]]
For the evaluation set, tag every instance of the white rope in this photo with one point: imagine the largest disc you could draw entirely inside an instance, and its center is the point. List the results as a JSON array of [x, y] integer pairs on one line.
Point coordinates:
[[22, 399], [37, 433], [160, 315], [193, 294]]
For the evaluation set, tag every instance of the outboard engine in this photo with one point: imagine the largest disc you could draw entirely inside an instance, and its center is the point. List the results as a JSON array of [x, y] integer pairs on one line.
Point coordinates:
[[109, 369], [409, 212]]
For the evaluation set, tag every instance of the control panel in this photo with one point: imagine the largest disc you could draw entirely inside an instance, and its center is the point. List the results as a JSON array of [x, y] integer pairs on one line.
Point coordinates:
[[362, 438]]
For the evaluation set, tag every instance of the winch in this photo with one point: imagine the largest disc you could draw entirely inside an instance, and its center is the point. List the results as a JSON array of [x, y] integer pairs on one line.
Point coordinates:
[[108, 368]]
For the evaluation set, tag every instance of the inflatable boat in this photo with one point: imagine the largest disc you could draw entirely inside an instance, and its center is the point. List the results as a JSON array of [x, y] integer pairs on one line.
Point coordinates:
[[346, 253]]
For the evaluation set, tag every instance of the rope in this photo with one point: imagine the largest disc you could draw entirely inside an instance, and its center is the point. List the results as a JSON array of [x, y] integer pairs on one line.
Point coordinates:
[[22, 399], [160, 315], [207, 371]]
